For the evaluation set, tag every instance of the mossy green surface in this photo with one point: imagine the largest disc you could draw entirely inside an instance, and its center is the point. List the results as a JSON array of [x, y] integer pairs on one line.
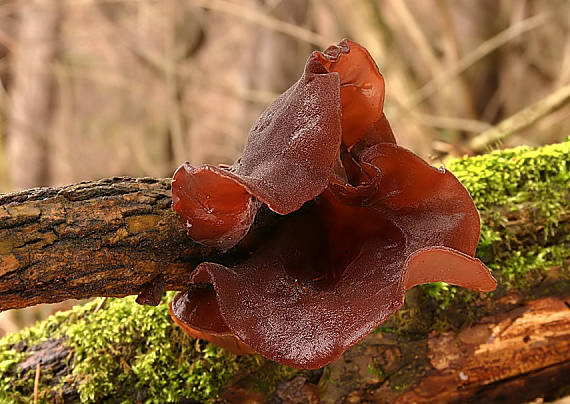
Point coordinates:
[[125, 353], [128, 353], [521, 182]]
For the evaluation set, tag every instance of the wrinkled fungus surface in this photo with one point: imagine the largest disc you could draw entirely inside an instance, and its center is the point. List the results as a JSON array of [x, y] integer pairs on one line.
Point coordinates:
[[376, 221]]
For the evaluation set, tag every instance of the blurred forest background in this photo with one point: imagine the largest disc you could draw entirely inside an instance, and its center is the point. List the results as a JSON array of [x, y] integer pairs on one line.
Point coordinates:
[[100, 88]]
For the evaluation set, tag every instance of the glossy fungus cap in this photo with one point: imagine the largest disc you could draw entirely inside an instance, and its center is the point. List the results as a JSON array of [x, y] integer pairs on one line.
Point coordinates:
[[365, 221]]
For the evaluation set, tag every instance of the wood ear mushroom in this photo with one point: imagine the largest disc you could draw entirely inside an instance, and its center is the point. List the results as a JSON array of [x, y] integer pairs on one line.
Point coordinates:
[[376, 220]]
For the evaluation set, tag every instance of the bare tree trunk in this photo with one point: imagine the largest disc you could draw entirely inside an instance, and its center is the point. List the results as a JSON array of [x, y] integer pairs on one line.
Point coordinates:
[[32, 93]]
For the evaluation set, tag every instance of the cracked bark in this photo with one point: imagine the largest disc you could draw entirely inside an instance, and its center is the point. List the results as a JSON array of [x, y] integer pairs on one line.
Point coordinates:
[[520, 353], [113, 237], [118, 237]]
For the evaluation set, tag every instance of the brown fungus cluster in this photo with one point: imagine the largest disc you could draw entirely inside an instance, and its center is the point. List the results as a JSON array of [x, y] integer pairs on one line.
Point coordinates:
[[376, 221]]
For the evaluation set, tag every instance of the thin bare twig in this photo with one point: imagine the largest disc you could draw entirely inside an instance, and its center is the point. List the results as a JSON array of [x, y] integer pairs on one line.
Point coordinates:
[[100, 305], [441, 122], [36, 383], [473, 57], [452, 123], [417, 36], [521, 119], [256, 17]]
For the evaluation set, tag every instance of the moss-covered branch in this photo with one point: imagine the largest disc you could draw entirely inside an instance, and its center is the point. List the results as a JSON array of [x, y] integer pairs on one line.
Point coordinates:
[[483, 345]]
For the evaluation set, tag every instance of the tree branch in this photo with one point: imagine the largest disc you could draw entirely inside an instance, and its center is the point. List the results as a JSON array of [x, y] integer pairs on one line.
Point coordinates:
[[111, 237], [522, 119], [119, 236]]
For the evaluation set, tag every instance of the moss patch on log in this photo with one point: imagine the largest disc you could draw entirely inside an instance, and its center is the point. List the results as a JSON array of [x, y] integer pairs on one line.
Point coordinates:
[[124, 351], [533, 184], [129, 353]]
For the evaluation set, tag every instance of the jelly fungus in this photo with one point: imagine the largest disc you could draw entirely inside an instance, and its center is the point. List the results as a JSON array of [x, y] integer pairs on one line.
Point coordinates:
[[375, 221]]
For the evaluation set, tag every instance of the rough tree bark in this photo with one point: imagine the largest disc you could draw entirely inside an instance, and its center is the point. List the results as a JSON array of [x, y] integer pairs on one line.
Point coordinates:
[[114, 237], [108, 237]]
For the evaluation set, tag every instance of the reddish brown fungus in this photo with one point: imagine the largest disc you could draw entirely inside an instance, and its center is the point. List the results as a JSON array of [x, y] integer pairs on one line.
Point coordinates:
[[377, 220], [287, 161], [196, 311], [151, 292], [361, 88], [216, 209]]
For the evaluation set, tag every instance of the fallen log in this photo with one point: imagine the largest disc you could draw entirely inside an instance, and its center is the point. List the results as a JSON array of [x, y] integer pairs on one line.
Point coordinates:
[[111, 238], [512, 356]]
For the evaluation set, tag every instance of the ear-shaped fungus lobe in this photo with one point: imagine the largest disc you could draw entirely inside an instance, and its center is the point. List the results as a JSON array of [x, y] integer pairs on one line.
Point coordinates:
[[215, 208], [197, 312], [362, 92], [430, 205], [293, 146], [338, 268], [441, 264], [287, 161], [285, 304]]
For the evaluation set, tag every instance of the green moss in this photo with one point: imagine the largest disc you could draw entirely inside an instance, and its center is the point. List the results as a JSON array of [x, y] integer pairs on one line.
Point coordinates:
[[517, 267], [130, 353], [509, 177], [532, 182], [442, 292], [147, 352], [15, 386], [377, 369], [146, 358]]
